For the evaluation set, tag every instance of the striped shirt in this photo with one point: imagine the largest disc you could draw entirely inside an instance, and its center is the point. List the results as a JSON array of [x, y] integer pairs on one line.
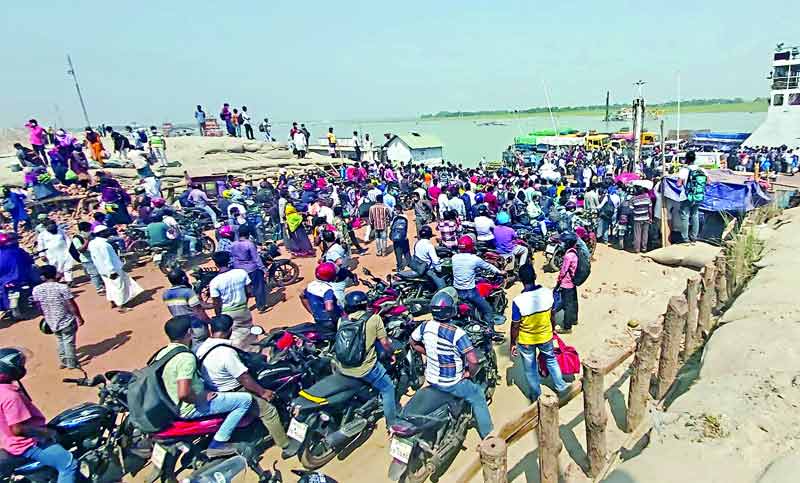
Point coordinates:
[[379, 215], [180, 300], [531, 310], [445, 348]]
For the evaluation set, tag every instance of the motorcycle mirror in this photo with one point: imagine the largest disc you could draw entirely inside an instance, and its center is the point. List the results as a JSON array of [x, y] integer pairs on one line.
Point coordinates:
[[257, 330], [366, 272]]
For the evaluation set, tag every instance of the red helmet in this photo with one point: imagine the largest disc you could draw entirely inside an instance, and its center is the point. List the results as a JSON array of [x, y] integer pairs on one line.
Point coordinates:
[[466, 245], [157, 202], [326, 272], [226, 231], [7, 239], [580, 231]]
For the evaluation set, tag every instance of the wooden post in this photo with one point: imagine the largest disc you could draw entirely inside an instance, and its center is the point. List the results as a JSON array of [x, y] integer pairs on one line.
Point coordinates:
[[674, 322], [692, 293], [644, 362], [595, 416], [707, 299], [493, 460], [722, 282], [549, 438]]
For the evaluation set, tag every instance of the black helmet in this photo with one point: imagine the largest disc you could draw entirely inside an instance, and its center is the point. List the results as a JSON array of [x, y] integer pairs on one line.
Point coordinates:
[[483, 210], [425, 232], [444, 304], [569, 239], [12, 363], [355, 301]]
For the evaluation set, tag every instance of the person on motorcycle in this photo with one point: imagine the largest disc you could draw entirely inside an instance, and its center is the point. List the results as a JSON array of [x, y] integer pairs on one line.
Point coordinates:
[[446, 349], [371, 371], [484, 226], [425, 255], [319, 298], [158, 235], [532, 331], [564, 283], [225, 372], [184, 386], [16, 267], [465, 267], [225, 236], [505, 239]]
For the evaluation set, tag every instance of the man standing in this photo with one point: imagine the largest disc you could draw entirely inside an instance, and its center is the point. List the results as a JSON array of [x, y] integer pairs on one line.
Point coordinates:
[[38, 138], [331, 143], [532, 331], [379, 216], [356, 146], [120, 287], [226, 116], [693, 180], [564, 283], [200, 117], [244, 255], [248, 128], [80, 242], [399, 235], [55, 244], [158, 147], [266, 128], [61, 314], [642, 217], [230, 291]]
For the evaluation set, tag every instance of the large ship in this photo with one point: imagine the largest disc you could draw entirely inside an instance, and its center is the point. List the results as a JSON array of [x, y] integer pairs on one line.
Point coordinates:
[[782, 125]]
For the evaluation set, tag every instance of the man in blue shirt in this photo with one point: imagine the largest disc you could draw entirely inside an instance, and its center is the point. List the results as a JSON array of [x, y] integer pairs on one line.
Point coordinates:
[[319, 298], [465, 264]]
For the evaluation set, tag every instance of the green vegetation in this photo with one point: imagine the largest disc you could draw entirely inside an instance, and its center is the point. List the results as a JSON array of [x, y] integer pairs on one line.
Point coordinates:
[[738, 104]]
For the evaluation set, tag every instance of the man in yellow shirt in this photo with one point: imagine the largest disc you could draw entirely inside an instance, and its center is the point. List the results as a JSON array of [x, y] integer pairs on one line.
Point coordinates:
[[532, 331], [331, 143]]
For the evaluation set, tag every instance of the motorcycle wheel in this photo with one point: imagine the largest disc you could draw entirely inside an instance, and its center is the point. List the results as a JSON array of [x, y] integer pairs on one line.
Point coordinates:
[[317, 454], [500, 303], [206, 245], [168, 262], [140, 247], [286, 272], [417, 471], [418, 306]]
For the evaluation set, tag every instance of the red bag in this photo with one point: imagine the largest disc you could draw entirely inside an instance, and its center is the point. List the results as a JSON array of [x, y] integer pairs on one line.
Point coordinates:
[[567, 357]]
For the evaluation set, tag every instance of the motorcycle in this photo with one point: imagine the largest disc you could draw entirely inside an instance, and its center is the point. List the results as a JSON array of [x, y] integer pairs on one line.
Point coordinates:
[[555, 249], [20, 305], [433, 424], [280, 271], [338, 413], [224, 471]]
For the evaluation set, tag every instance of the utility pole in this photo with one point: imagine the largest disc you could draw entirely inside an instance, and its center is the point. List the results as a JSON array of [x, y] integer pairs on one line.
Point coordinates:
[[608, 98], [638, 120], [71, 71]]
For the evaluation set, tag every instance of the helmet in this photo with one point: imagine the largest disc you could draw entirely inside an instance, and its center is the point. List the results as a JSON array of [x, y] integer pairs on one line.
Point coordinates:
[[570, 206], [226, 231], [479, 198], [444, 304], [7, 239], [425, 232], [580, 231], [158, 202], [483, 210], [355, 301], [12, 363], [569, 239], [227, 194], [466, 244], [326, 271], [503, 218], [307, 186]]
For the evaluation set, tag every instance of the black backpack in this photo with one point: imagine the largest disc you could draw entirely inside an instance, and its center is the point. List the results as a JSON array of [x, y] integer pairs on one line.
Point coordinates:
[[150, 407], [584, 268], [350, 345], [399, 230]]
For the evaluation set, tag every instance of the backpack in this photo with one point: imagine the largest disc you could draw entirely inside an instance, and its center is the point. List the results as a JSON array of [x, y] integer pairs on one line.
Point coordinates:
[[584, 264], [606, 211], [696, 186], [73, 252], [399, 230], [150, 407], [350, 345]]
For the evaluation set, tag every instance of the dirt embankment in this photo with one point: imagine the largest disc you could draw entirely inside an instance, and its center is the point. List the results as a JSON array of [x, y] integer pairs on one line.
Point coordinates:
[[739, 422]]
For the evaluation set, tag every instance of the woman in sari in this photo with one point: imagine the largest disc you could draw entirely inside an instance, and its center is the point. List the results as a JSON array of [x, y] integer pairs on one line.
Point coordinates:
[[96, 147], [297, 242]]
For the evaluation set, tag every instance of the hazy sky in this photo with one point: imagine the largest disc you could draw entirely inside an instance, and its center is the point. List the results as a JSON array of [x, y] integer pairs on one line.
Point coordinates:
[[152, 61]]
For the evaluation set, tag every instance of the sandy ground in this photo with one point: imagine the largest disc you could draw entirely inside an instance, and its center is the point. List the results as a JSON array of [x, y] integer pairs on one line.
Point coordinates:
[[622, 287]]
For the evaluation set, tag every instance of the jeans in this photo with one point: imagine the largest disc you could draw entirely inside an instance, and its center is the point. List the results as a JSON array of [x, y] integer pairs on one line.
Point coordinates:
[[473, 394], [520, 253], [55, 456], [248, 131], [380, 381], [473, 296], [531, 366], [94, 276], [238, 129], [436, 279], [402, 254], [65, 341], [211, 213], [192, 240], [259, 288], [201, 127], [380, 241], [690, 220], [271, 419], [235, 404], [159, 155], [354, 239], [603, 228]]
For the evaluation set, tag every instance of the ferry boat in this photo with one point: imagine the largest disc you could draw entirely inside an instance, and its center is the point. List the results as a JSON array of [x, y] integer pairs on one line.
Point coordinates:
[[782, 125]]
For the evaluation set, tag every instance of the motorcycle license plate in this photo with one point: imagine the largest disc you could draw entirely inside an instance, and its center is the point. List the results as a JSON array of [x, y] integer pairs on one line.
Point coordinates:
[[297, 430], [157, 257], [158, 456], [400, 450], [550, 249]]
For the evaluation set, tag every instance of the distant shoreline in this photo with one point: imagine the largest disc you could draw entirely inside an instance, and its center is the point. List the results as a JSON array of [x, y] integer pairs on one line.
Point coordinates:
[[758, 105]]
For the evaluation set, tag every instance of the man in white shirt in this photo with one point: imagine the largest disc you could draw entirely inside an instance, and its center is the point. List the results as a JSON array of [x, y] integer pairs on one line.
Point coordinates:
[[443, 203], [223, 371], [230, 291], [456, 204], [120, 287], [425, 254], [325, 211], [484, 226], [373, 193], [248, 127]]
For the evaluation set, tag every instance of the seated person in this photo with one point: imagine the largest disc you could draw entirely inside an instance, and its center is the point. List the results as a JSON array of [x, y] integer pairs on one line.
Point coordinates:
[[505, 237], [225, 372], [484, 227], [424, 255], [157, 232], [319, 298], [186, 389]]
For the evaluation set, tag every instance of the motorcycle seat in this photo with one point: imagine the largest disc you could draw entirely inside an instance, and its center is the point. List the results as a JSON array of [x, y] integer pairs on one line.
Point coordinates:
[[207, 425], [334, 384], [9, 463], [410, 275], [427, 408]]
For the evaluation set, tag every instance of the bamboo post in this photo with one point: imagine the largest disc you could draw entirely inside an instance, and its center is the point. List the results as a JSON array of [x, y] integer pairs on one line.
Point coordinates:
[[644, 362], [493, 460], [549, 438], [692, 293], [707, 299], [674, 323], [721, 281], [595, 416]]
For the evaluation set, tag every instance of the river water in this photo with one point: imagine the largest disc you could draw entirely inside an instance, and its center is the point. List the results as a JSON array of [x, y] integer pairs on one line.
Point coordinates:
[[465, 141]]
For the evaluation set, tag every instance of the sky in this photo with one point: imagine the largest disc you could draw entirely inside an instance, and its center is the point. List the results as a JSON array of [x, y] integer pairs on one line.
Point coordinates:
[[153, 61]]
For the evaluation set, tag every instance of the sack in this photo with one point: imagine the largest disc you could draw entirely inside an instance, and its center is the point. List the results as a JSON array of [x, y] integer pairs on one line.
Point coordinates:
[[150, 407], [261, 128], [567, 357], [584, 264], [350, 345], [696, 186]]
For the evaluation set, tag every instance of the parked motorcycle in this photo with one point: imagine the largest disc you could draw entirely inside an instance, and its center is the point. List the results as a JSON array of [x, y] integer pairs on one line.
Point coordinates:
[[280, 271], [20, 305], [555, 249], [433, 424]]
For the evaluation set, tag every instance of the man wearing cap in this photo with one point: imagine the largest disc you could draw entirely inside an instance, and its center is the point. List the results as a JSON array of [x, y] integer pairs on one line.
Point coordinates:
[[120, 287]]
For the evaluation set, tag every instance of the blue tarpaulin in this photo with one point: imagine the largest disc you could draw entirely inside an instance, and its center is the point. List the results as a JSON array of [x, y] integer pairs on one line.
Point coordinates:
[[721, 196]]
